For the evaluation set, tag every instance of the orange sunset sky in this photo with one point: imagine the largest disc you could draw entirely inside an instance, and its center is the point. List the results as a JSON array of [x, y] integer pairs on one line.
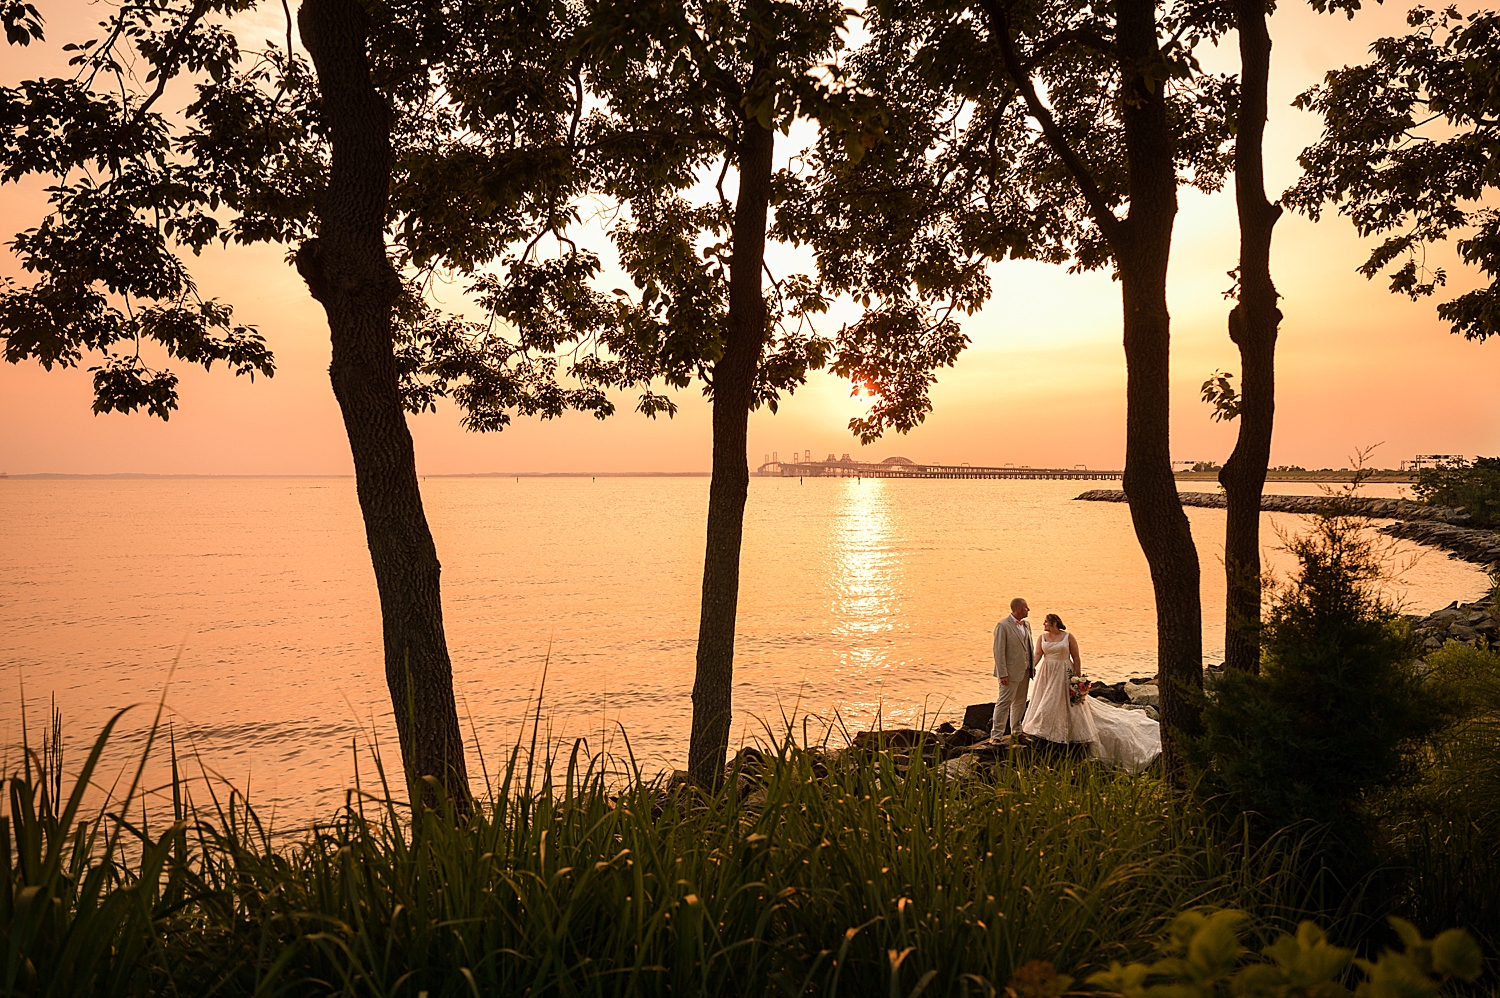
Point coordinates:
[[1042, 383]]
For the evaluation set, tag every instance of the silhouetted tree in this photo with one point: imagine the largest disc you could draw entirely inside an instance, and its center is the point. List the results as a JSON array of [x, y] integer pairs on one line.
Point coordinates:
[[1409, 152], [310, 161], [1046, 120], [692, 92], [1253, 326]]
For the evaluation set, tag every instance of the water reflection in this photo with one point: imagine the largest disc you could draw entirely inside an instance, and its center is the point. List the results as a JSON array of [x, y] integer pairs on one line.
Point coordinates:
[[867, 576]]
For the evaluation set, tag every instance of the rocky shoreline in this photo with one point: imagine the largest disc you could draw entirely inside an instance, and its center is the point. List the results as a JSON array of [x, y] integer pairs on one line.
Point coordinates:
[[1471, 544], [1389, 509], [1476, 623], [1436, 526]]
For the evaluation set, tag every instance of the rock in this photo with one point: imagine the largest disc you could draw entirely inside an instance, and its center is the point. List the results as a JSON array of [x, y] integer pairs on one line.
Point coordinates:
[[1149, 708], [965, 767], [966, 736], [946, 728], [987, 751], [897, 737], [1113, 694], [979, 715], [1474, 623], [1145, 695]]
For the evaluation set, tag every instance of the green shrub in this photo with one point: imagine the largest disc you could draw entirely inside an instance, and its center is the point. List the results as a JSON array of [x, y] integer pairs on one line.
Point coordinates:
[[1475, 486], [1203, 957], [1335, 710], [1466, 763], [1445, 829]]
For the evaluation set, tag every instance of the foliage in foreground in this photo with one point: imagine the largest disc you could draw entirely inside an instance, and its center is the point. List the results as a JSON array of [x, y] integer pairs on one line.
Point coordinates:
[[821, 873], [1444, 829], [1202, 957], [1335, 713]]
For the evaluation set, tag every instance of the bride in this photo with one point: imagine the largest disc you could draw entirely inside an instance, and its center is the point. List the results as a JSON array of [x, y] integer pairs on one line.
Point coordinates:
[[1117, 736]]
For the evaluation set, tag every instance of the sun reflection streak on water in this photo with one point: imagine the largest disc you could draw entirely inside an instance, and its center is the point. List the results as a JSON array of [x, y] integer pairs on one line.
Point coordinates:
[[867, 576]]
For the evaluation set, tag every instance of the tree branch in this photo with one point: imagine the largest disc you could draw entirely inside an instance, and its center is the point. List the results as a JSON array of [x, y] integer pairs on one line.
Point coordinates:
[[1083, 36], [1104, 216], [168, 68], [717, 76]]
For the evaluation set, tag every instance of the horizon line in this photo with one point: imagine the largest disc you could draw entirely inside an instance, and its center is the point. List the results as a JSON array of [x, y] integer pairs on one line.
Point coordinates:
[[459, 474]]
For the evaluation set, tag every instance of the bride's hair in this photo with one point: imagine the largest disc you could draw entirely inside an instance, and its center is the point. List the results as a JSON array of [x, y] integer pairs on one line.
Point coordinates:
[[1056, 621]]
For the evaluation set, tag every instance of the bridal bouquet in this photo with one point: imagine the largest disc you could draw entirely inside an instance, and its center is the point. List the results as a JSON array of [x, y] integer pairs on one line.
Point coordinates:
[[1077, 690]]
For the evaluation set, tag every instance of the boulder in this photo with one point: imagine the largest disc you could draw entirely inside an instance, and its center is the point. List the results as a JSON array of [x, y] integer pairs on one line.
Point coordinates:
[[1462, 632], [966, 736], [896, 737], [979, 715], [965, 767], [1114, 694]]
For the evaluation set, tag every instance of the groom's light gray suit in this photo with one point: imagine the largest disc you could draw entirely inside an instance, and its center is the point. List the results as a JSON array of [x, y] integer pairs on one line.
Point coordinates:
[[1013, 657]]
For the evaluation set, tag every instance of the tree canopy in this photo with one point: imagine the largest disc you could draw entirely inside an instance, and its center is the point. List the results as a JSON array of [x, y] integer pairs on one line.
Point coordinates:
[[136, 184], [1410, 152]]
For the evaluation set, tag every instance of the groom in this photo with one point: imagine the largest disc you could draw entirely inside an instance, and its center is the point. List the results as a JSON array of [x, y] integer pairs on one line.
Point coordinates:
[[1013, 658]]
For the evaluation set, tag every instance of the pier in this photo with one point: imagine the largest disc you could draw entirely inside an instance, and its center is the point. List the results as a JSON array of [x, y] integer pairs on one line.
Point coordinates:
[[900, 467]]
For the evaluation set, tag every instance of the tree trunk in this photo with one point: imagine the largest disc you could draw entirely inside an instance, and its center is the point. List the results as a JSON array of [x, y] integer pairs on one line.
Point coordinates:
[[1252, 327], [734, 392], [1144, 244], [346, 269]]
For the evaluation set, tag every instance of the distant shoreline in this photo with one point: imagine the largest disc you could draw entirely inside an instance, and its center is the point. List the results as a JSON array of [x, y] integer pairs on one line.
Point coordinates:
[[472, 474], [1385, 475], [1391, 477]]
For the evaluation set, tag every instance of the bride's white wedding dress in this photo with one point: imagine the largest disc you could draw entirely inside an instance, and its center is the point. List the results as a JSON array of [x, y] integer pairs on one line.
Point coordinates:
[[1119, 737]]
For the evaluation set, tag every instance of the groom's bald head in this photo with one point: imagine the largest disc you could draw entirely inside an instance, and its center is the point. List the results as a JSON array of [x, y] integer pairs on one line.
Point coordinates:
[[1019, 609]]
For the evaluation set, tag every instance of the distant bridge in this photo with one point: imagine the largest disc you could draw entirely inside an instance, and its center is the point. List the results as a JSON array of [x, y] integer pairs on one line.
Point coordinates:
[[900, 467]]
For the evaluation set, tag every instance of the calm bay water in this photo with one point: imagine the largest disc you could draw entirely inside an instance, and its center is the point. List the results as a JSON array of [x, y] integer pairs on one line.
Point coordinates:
[[858, 599]]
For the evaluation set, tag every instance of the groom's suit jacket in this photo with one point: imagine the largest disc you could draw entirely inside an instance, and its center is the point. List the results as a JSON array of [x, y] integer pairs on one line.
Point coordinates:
[[1013, 648]]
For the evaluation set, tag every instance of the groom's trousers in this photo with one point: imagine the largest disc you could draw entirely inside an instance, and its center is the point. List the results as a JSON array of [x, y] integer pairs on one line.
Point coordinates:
[[1010, 706]]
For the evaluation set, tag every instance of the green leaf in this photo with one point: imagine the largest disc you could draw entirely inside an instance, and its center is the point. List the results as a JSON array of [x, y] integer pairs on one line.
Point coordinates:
[[1456, 954], [1215, 947]]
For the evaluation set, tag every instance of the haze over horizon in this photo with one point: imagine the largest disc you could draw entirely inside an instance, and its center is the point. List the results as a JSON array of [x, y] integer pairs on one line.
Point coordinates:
[[1041, 384]]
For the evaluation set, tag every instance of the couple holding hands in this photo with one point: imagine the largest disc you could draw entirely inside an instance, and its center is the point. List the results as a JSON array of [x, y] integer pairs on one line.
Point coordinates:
[[1060, 709]]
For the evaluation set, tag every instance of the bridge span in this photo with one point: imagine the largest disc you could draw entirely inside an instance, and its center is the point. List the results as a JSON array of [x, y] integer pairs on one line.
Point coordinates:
[[900, 467]]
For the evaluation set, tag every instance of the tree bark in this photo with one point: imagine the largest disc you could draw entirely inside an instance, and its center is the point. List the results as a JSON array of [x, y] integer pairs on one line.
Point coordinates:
[[346, 269], [1253, 328], [1144, 244], [734, 393]]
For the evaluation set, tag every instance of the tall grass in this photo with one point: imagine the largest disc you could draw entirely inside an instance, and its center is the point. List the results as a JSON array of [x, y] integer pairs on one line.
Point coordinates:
[[1445, 827], [852, 873]]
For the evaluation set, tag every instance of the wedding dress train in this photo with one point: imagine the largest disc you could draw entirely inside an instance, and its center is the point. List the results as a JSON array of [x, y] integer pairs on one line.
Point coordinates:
[[1119, 737]]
